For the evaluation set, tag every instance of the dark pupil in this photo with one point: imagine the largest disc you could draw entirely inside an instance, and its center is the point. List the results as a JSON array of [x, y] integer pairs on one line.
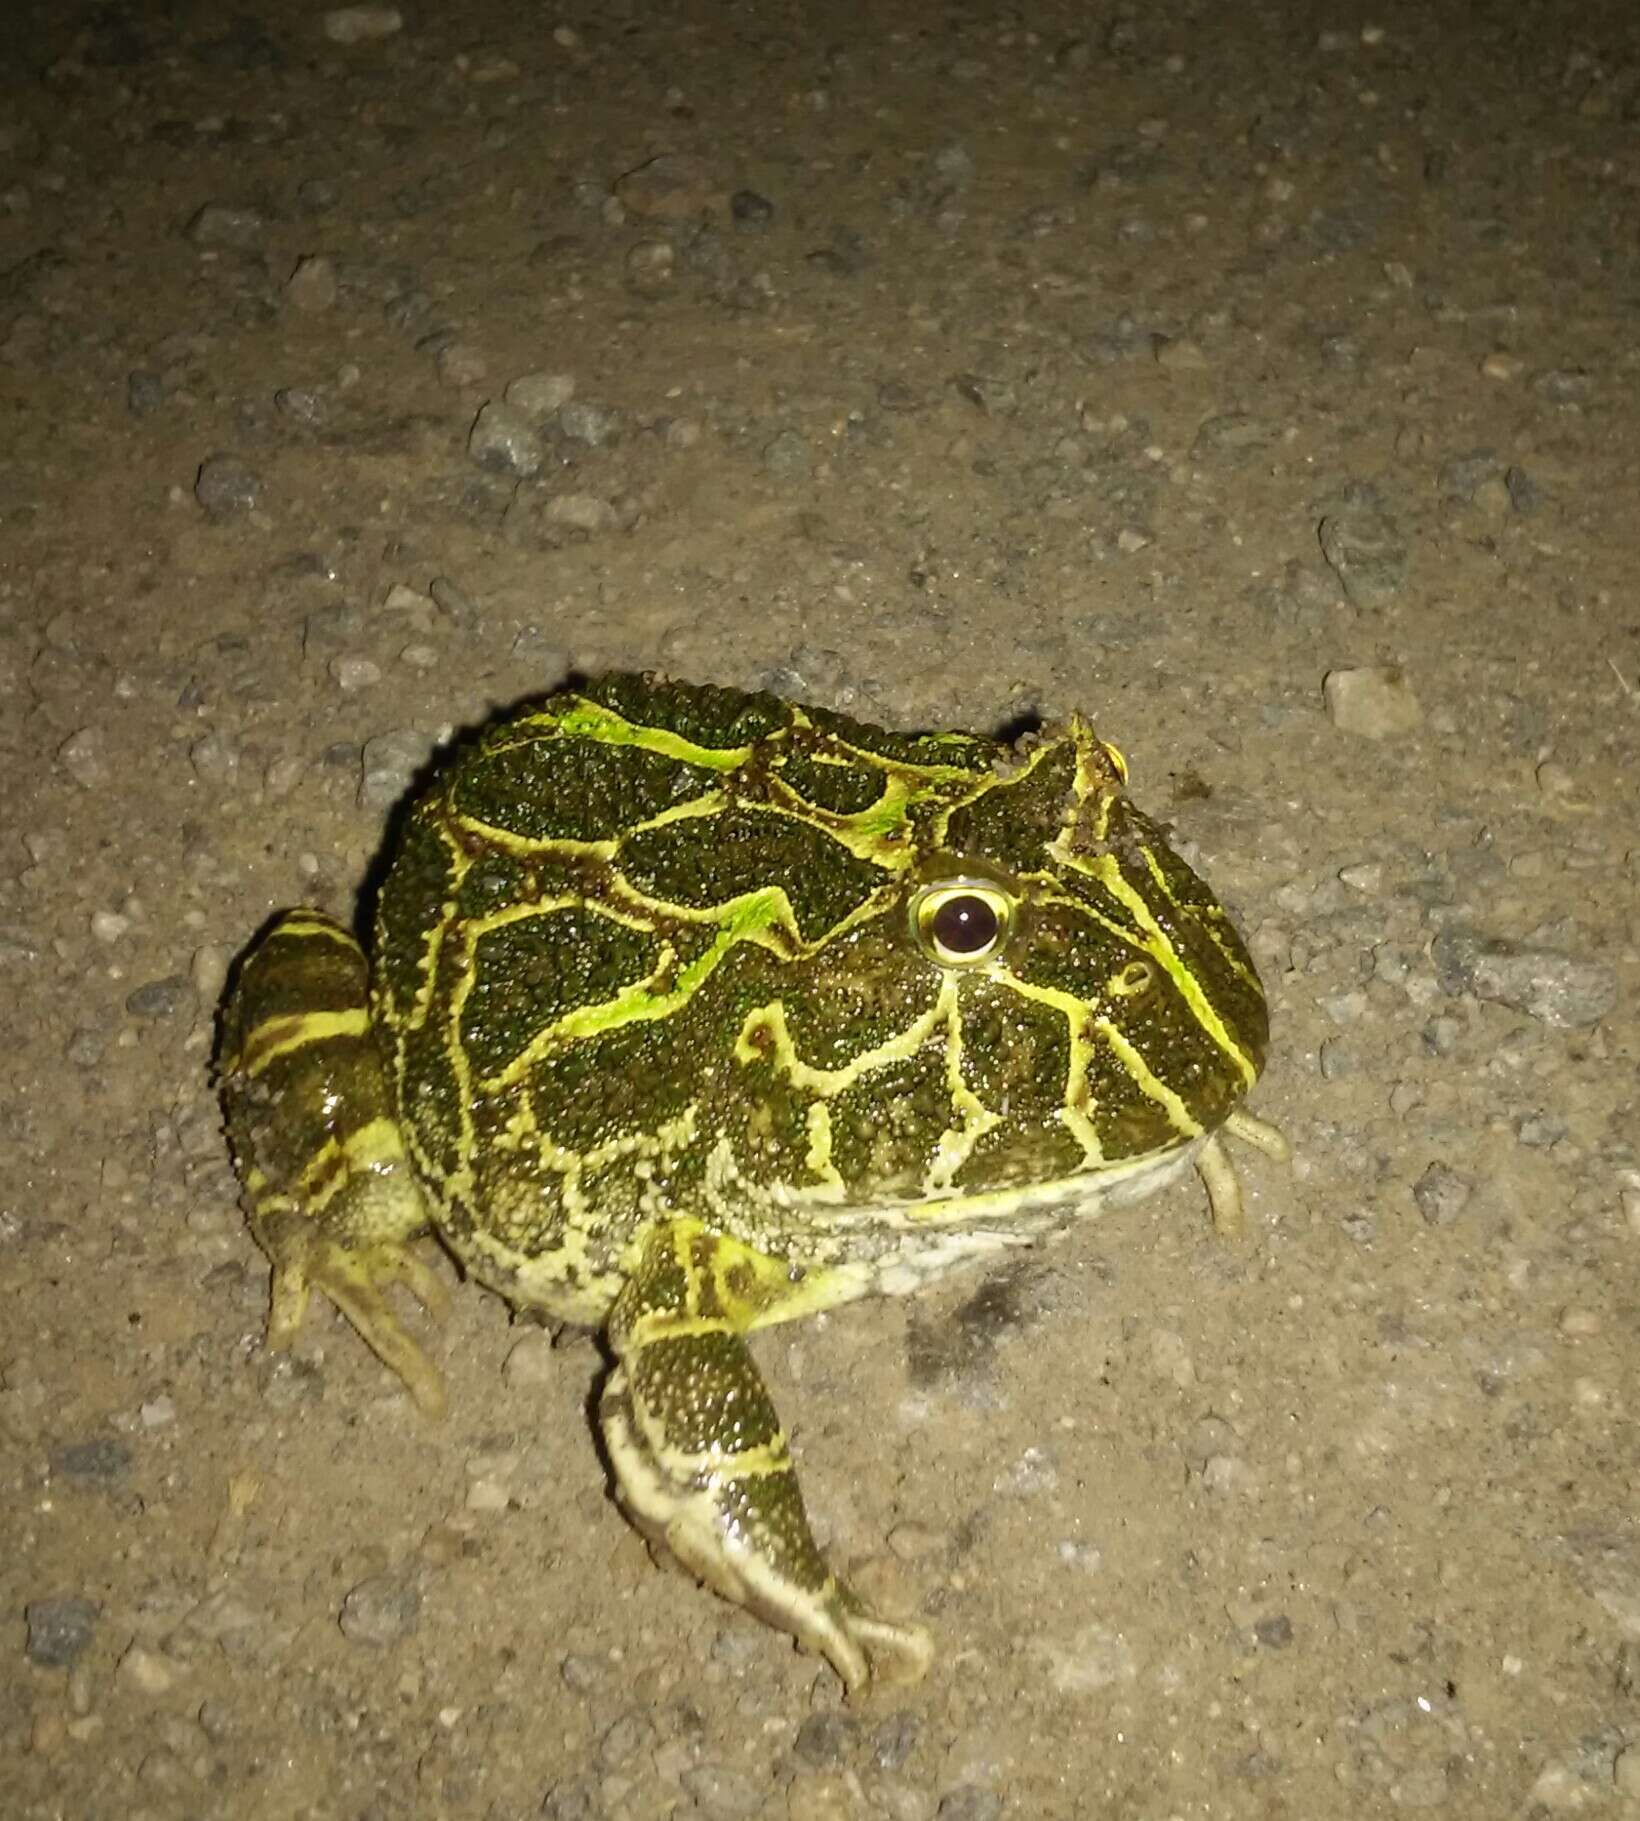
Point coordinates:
[[964, 926]]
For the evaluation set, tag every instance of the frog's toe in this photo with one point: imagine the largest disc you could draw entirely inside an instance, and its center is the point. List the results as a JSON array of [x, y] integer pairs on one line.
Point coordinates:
[[896, 1653], [306, 1259]]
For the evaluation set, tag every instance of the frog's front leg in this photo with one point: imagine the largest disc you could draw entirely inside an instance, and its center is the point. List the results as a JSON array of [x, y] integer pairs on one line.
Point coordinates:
[[333, 1199], [701, 1461]]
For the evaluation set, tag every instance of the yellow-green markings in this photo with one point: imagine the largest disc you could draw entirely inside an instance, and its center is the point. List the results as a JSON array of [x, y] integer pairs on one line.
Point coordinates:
[[282, 1035], [591, 721], [1108, 872]]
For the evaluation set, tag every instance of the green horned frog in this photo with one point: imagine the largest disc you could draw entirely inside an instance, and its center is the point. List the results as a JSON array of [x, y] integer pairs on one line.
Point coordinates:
[[689, 1011]]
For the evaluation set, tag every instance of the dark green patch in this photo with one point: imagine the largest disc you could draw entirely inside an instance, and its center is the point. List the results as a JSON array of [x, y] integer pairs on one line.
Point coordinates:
[[529, 973], [1127, 1122], [1065, 949], [497, 878], [967, 752], [703, 713], [705, 862], [857, 993], [705, 1393], [430, 1099], [845, 790], [408, 907], [1018, 1154], [1015, 1053], [886, 1126], [624, 1082], [534, 783], [1016, 819]]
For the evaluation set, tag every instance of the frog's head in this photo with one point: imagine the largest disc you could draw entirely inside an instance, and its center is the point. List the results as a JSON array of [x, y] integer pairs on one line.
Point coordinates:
[[1099, 1002]]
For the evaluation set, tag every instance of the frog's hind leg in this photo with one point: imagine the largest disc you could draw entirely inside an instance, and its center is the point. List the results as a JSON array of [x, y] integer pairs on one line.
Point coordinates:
[[333, 1199], [701, 1461]]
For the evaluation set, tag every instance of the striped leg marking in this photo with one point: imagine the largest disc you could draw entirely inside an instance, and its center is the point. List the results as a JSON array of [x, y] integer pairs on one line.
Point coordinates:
[[333, 1199], [701, 1461]]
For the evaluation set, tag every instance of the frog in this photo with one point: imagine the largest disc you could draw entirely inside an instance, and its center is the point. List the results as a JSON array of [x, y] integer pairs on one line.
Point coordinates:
[[688, 1011]]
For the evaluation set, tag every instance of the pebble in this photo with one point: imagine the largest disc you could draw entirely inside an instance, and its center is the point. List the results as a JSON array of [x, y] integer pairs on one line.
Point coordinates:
[[109, 926], [582, 1672], [530, 1360], [580, 512], [1442, 1035], [1233, 433], [1228, 1474], [214, 758], [1364, 550], [353, 673], [1463, 475], [503, 440], [580, 1799], [102, 1458], [587, 423], [226, 487], [1555, 988], [1494, 498], [826, 1738], [1374, 701], [157, 999], [485, 1494], [650, 266], [1524, 493], [81, 755], [360, 24], [814, 1795], [540, 394], [1096, 1657], [633, 1733], [1180, 354], [718, 1789], [750, 210], [144, 392], [895, 1739], [676, 186], [312, 287], [59, 1629], [146, 1671], [995, 397], [1441, 1194], [380, 1610], [788, 457], [226, 224], [389, 763]]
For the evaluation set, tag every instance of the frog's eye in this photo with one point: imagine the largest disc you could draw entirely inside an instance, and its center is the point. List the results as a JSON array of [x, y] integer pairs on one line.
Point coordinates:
[[962, 923], [1117, 758]]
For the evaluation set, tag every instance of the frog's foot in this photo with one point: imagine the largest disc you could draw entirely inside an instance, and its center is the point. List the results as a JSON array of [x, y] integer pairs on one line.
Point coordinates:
[[701, 1463], [1218, 1174], [305, 1259], [333, 1199]]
